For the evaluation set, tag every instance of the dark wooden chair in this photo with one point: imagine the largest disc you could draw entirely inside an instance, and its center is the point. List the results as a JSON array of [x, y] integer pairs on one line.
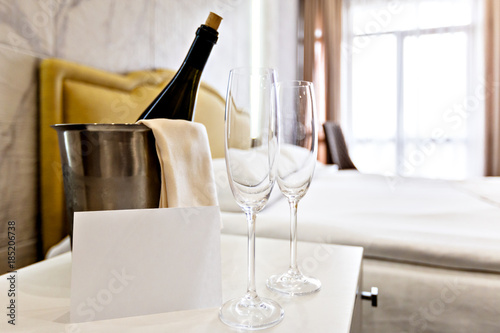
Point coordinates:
[[337, 152]]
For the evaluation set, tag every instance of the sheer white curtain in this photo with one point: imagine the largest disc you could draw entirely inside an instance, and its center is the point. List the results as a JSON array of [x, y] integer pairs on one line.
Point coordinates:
[[413, 87]]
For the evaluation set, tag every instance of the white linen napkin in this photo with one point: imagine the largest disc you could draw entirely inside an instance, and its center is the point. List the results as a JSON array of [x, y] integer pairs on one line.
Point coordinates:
[[187, 178]]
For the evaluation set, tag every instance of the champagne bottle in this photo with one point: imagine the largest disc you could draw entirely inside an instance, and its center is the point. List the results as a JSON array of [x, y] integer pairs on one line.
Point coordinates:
[[178, 99]]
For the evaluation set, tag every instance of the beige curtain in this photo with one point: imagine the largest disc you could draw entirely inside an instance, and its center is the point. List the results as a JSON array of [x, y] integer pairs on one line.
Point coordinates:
[[323, 25], [322, 48], [492, 91]]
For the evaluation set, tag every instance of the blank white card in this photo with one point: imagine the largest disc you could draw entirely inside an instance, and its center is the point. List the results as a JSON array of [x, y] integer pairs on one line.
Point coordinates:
[[145, 261]]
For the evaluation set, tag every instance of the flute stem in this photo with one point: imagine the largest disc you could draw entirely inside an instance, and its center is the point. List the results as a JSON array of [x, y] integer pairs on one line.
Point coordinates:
[[293, 234], [251, 289]]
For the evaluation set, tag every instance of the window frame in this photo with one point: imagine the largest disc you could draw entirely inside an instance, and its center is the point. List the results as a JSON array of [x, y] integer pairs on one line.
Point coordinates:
[[470, 30]]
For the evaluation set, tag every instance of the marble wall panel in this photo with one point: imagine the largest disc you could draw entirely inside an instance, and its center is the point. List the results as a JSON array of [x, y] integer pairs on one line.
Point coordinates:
[[27, 26], [175, 27], [111, 35], [233, 49], [278, 43]]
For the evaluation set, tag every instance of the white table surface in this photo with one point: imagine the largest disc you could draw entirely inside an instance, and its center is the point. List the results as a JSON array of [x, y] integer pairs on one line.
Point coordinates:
[[43, 293]]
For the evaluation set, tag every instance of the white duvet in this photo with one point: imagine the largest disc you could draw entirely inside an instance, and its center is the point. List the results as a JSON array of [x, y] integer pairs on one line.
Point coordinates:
[[439, 223]]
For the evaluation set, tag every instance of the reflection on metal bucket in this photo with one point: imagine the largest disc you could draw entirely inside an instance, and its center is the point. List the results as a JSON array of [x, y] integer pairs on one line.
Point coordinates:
[[108, 166]]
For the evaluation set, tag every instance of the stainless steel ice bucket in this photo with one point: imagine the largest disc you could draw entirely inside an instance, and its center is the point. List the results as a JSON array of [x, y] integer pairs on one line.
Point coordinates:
[[108, 166]]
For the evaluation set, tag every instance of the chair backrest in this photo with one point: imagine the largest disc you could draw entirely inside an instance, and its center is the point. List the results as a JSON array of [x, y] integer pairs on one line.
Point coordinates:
[[336, 146]]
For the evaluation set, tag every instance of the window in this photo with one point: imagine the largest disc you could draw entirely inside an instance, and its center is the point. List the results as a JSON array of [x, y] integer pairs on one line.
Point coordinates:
[[412, 96]]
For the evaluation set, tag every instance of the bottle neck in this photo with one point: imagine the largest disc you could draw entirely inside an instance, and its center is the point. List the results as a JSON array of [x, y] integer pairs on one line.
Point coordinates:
[[203, 43]]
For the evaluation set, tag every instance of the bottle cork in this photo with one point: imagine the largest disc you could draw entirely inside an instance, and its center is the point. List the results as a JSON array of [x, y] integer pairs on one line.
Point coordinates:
[[213, 21]]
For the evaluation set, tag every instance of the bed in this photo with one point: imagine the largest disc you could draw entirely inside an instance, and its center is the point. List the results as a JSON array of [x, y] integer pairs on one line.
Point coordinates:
[[431, 247]]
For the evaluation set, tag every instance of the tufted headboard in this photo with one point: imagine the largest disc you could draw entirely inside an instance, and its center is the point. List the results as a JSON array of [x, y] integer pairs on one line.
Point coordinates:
[[73, 93]]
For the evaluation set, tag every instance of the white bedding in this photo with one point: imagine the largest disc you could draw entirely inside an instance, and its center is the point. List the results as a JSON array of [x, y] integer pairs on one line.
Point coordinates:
[[412, 220]]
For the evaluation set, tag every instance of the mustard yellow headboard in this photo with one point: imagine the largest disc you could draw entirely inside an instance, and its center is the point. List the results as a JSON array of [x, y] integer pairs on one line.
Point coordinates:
[[73, 93]]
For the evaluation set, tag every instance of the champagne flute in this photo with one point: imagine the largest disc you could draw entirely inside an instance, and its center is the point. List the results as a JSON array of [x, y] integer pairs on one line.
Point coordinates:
[[296, 163], [251, 144]]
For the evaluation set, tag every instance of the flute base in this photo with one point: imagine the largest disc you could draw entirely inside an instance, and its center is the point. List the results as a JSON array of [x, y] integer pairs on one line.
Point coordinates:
[[293, 283], [251, 313]]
